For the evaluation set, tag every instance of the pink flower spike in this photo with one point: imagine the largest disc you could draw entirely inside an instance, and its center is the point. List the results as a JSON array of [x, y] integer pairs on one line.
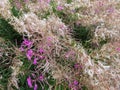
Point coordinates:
[[41, 77], [29, 54], [35, 61], [59, 8], [29, 82], [35, 87]]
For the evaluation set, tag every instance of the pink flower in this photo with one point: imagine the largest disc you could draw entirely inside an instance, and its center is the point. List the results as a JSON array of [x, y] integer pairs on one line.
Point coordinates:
[[118, 49], [35, 87], [77, 66], [110, 10], [29, 54], [41, 50], [29, 82], [41, 57], [41, 77], [75, 82], [59, 8], [48, 1], [35, 61], [27, 43], [21, 48]]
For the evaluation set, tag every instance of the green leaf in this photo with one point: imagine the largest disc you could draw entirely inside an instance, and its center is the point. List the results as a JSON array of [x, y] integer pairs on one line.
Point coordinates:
[[15, 12], [69, 1]]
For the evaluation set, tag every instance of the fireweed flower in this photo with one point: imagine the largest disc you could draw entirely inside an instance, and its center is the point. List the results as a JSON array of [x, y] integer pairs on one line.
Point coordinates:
[[41, 57], [48, 1], [35, 87], [75, 82], [59, 8], [27, 43], [118, 49], [110, 10], [29, 81], [29, 54], [41, 50], [21, 48], [77, 66], [41, 77], [35, 61]]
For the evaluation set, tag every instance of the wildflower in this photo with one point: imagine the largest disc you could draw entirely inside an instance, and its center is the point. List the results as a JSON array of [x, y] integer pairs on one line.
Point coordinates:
[[29, 54], [118, 49], [41, 50], [77, 65], [35, 87], [48, 1], [75, 82], [59, 8], [21, 48], [35, 61], [41, 57], [110, 10], [41, 77], [29, 81], [27, 43]]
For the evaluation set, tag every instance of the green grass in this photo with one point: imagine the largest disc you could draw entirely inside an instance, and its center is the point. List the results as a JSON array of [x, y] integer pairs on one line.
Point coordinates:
[[5, 62], [8, 32]]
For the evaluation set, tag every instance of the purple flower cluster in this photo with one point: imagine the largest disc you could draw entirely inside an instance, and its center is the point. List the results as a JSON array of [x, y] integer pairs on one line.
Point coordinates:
[[32, 82], [33, 56], [74, 85]]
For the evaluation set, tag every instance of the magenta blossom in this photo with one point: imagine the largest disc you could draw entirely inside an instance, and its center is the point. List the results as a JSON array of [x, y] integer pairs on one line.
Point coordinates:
[[41, 57], [35, 87], [35, 61], [21, 48], [48, 1], [29, 54], [75, 82], [59, 8], [77, 66], [29, 81], [27, 43], [41, 50], [118, 49], [41, 77], [110, 10]]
